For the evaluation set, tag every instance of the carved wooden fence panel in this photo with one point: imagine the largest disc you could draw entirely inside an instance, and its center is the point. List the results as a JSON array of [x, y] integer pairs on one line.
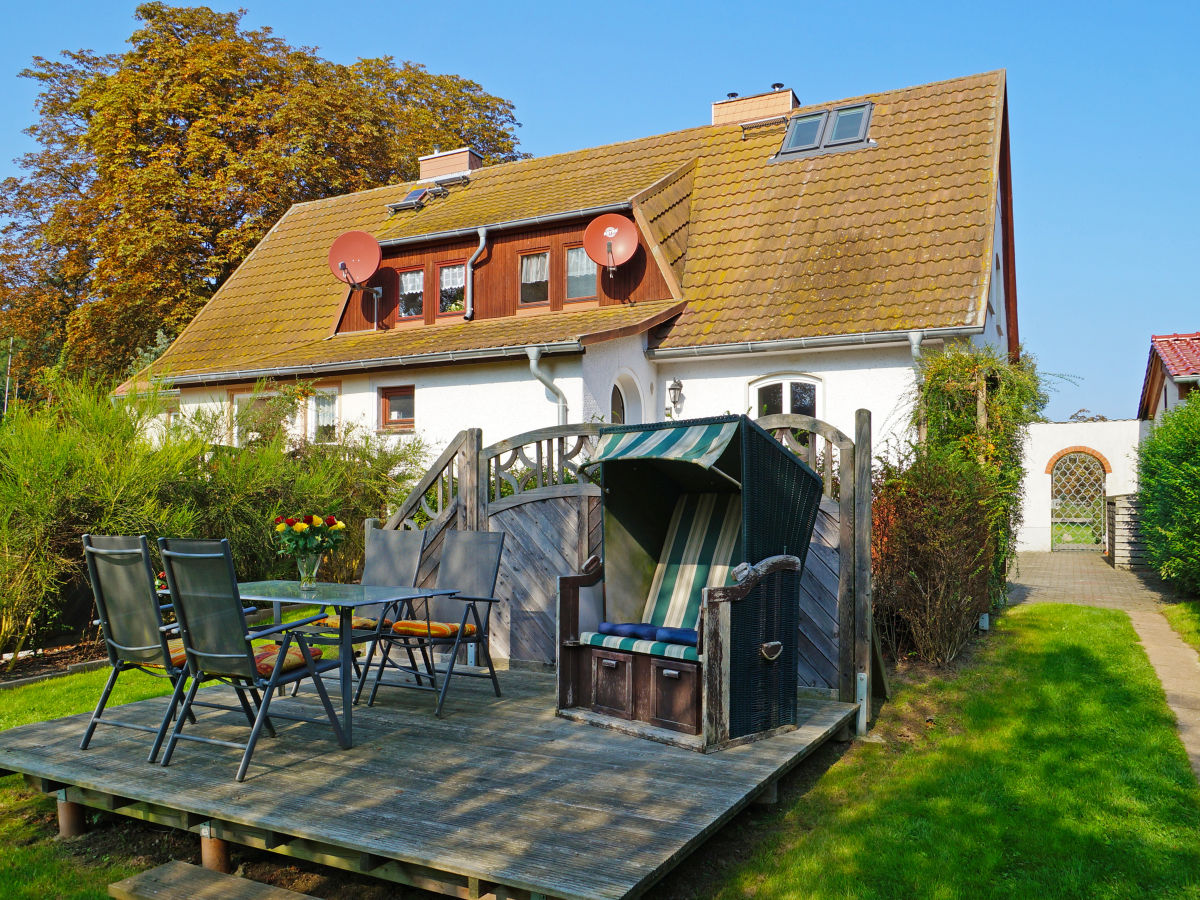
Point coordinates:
[[530, 487]]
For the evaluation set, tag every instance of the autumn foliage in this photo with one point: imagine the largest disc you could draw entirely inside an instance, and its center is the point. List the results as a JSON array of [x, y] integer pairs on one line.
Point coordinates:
[[158, 169]]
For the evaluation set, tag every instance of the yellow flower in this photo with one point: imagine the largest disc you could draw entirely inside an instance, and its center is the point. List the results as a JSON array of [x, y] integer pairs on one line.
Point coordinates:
[[340, 526], [300, 527], [282, 526]]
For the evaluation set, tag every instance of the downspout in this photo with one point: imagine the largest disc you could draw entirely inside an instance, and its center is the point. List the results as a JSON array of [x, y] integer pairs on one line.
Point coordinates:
[[469, 292], [535, 355], [914, 341]]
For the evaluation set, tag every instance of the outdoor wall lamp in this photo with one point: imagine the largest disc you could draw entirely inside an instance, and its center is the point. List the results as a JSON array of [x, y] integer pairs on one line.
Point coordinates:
[[675, 392]]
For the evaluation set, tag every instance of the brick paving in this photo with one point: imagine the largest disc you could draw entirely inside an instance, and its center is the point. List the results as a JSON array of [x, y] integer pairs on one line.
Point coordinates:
[[1086, 579]]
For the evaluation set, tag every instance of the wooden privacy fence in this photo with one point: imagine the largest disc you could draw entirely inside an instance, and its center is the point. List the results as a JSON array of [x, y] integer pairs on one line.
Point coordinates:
[[530, 487]]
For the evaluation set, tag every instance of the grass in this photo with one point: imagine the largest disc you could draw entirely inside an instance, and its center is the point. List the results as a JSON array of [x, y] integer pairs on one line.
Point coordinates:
[[1184, 617], [1049, 768], [1075, 534]]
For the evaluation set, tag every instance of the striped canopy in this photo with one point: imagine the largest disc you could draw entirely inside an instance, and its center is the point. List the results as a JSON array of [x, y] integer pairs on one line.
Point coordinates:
[[699, 444]]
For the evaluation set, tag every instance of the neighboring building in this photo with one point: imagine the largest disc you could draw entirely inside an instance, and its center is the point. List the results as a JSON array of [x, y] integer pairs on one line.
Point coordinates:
[[791, 258], [1172, 373]]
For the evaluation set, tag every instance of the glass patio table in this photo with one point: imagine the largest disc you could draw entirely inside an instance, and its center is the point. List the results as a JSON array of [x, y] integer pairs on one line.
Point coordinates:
[[345, 598]]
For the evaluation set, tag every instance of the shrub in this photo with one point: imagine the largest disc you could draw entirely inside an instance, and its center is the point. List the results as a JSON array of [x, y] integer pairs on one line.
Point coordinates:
[[1169, 490], [84, 462], [979, 400], [932, 546]]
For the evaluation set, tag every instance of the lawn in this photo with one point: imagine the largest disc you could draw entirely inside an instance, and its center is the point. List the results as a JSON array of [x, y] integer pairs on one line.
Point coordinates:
[[1184, 616], [1047, 766], [1050, 767]]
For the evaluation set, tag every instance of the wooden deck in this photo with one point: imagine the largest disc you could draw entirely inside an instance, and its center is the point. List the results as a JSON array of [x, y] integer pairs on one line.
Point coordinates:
[[499, 798]]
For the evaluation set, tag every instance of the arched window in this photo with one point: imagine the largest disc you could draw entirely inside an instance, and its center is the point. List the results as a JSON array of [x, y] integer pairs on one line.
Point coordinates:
[[784, 393], [616, 414]]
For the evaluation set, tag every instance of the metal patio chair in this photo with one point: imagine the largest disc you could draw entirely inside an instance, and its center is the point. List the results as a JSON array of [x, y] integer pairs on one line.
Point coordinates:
[[217, 643], [131, 621], [470, 564], [390, 557]]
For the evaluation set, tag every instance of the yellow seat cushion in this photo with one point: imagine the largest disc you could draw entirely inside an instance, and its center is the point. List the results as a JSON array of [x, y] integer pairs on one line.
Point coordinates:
[[264, 658], [421, 628], [178, 656], [358, 623]]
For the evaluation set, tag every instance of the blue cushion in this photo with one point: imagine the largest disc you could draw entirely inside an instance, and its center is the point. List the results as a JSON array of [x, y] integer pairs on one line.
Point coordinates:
[[654, 648], [676, 636], [637, 630]]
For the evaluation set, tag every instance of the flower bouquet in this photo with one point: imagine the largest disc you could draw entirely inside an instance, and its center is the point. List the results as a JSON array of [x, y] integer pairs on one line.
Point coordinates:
[[307, 538]]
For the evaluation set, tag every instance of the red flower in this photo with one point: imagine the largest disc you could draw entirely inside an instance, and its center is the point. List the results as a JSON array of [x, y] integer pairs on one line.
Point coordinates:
[[330, 521], [278, 519], [290, 522], [313, 520]]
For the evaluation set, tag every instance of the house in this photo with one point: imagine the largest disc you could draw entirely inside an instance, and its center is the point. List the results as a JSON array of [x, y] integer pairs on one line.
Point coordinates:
[[790, 258], [1172, 373]]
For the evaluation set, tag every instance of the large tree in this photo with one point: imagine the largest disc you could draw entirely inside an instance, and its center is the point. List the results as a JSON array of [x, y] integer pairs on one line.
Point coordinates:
[[159, 168]]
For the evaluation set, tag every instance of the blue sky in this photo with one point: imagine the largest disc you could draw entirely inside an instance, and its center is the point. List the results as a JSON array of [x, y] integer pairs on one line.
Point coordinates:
[[1102, 99]]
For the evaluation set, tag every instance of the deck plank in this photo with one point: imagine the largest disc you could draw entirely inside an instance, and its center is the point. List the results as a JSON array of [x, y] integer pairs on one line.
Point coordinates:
[[499, 790]]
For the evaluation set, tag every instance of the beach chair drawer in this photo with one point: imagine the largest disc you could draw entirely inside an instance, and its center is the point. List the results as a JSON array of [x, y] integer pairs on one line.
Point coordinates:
[[612, 683], [675, 695]]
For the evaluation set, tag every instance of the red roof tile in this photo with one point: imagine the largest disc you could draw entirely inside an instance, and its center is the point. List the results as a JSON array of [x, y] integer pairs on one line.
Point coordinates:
[[1180, 353]]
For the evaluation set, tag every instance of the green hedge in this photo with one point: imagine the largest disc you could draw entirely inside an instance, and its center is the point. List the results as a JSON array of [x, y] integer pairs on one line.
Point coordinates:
[[86, 462], [1169, 489]]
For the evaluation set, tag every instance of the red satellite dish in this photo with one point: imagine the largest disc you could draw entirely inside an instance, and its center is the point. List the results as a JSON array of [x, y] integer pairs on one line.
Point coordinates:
[[610, 240], [354, 257]]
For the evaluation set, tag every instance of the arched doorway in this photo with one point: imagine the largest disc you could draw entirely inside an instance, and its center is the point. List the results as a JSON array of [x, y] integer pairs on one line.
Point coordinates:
[[616, 414], [625, 403], [1077, 502]]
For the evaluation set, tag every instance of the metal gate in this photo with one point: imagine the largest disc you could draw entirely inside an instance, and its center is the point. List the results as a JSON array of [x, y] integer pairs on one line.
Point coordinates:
[[1077, 503]]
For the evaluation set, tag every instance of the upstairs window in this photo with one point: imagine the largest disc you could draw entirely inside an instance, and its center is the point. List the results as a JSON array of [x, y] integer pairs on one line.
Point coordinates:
[[844, 128], [412, 294], [452, 282], [581, 274], [535, 278]]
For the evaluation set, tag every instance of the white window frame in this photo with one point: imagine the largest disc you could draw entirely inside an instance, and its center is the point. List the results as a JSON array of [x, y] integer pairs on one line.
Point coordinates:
[[785, 379], [310, 413]]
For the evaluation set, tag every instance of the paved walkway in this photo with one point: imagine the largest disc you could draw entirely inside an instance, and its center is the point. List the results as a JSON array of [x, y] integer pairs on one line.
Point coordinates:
[[1086, 579]]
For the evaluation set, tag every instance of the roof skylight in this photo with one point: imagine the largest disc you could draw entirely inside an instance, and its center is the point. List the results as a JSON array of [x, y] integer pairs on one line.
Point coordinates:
[[844, 128], [414, 199]]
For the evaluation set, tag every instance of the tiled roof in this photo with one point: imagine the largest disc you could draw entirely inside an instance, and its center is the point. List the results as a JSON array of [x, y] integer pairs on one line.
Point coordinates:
[[1180, 353], [893, 236]]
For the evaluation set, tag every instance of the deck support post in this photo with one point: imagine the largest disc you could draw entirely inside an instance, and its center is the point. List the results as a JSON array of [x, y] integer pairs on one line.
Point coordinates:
[[214, 852], [71, 820], [769, 795]]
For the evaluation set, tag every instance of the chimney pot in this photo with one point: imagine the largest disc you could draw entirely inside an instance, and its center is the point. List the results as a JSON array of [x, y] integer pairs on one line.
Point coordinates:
[[731, 95], [777, 86]]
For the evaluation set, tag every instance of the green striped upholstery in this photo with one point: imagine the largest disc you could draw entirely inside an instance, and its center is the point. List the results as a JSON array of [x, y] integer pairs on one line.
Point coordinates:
[[704, 542], [654, 648]]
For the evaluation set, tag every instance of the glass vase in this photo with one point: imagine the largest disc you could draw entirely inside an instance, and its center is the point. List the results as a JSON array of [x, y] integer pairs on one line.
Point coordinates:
[[308, 563]]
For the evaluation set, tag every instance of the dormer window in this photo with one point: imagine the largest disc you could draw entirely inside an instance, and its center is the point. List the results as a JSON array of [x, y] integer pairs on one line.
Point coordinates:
[[535, 278], [412, 294], [844, 128]]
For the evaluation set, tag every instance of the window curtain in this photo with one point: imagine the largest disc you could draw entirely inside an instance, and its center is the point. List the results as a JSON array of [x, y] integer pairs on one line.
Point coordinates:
[[578, 263], [535, 267], [453, 277], [412, 282]]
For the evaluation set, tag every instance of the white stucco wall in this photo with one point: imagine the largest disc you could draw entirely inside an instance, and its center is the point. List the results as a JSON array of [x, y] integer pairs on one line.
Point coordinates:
[[503, 399], [1116, 441], [876, 378]]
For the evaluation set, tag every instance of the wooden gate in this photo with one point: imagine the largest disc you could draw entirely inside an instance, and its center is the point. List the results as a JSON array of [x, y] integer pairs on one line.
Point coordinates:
[[529, 487]]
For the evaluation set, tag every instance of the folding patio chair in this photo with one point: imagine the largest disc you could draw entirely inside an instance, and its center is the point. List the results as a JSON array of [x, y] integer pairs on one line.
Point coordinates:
[[391, 557], [217, 643], [470, 564], [131, 622]]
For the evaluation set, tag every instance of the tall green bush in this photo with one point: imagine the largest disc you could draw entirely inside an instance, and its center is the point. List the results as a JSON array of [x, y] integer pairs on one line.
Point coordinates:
[[934, 518], [1169, 490], [86, 462], [977, 399]]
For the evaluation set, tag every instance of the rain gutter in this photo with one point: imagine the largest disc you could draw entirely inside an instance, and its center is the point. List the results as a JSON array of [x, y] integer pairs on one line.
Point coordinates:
[[912, 338], [382, 362], [529, 222]]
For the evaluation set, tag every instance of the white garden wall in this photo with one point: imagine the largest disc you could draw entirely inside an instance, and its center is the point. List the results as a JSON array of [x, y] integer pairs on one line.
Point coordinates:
[[1115, 442]]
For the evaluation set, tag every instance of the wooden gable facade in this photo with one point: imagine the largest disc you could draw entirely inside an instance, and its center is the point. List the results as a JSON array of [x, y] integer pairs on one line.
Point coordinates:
[[497, 274]]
